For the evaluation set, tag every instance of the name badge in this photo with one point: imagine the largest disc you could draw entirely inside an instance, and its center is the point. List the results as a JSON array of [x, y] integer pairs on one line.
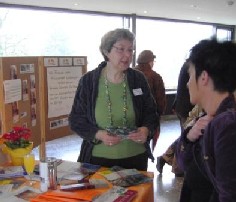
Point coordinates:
[[137, 91]]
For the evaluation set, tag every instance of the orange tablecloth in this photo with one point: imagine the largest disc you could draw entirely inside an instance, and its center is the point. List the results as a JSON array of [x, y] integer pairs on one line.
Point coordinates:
[[145, 193]]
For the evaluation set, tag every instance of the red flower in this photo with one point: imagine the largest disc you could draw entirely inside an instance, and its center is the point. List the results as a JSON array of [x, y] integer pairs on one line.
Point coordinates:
[[17, 138]]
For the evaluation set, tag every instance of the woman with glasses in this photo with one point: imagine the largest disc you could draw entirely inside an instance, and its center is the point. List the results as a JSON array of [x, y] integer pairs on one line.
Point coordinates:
[[113, 110]]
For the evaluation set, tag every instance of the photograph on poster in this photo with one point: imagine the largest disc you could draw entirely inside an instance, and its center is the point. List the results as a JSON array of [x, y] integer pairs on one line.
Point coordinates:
[[26, 68], [58, 123], [25, 90], [32, 81], [23, 114], [33, 115], [13, 72], [15, 112], [24, 125], [32, 96]]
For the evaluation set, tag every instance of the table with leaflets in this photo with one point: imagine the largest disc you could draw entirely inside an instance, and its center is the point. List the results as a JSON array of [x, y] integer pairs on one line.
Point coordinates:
[[141, 192]]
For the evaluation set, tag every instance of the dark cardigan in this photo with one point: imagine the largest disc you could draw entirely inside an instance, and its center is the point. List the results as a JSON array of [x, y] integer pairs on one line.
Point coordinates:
[[82, 116]]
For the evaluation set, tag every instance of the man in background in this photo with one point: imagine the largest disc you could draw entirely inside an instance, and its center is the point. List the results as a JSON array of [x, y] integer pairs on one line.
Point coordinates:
[[145, 65]]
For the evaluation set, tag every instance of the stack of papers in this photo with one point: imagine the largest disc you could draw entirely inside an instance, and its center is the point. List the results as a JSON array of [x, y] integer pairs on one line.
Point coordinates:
[[124, 177], [74, 171], [116, 194], [11, 171]]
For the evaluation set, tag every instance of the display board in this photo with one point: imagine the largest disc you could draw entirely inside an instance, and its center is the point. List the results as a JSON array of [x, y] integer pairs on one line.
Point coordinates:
[[38, 92], [62, 75], [20, 95]]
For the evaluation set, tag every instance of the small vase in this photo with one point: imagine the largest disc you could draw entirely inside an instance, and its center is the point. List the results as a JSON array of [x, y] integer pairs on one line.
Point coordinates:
[[17, 155]]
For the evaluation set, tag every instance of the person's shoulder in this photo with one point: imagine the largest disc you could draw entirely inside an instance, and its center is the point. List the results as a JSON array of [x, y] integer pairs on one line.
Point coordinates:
[[224, 120], [134, 70], [156, 75], [229, 114], [94, 72], [87, 75], [138, 68], [154, 72], [134, 73]]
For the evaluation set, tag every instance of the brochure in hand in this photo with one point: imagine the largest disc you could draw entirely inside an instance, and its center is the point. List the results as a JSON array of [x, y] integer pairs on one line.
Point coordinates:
[[122, 132], [125, 177]]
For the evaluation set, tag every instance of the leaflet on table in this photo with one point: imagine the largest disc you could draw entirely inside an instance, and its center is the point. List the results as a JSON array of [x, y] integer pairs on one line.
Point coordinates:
[[89, 168], [124, 177], [90, 184], [22, 194], [5, 188], [75, 170], [11, 171], [15, 183], [116, 194]]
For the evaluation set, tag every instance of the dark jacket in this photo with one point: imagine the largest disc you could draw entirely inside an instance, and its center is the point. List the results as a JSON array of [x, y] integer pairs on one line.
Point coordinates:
[[82, 116], [182, 105], [215, 151]]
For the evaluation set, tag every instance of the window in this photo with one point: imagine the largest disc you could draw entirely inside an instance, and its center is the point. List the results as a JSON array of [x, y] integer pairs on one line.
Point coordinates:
[[27, 32], [47, 33], [223, 34], [170, 42]]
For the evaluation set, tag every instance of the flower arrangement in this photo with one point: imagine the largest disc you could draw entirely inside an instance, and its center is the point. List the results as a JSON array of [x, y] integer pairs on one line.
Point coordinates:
[[17, 138]]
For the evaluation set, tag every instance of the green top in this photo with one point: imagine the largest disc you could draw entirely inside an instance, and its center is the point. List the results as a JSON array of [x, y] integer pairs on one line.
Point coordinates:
[[126, 148]]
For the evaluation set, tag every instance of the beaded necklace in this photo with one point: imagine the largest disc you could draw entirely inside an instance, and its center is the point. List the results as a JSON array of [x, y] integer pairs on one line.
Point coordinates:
[[124, 130], [109, 104]]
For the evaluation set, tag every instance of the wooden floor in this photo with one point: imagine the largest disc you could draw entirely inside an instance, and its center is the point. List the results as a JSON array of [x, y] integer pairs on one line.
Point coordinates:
[[166, 186]]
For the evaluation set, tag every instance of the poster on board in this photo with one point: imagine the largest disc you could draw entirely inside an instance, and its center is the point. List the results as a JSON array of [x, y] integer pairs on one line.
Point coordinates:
[[62, 83]]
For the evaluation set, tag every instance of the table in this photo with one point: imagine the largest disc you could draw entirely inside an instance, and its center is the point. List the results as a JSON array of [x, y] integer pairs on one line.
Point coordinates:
[[145, 192]]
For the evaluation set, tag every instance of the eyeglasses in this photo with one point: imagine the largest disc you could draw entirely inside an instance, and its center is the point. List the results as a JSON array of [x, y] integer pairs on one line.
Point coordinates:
[[123, 50]]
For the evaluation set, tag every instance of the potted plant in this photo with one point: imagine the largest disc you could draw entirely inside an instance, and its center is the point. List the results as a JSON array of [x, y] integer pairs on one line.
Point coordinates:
[[17, 144]]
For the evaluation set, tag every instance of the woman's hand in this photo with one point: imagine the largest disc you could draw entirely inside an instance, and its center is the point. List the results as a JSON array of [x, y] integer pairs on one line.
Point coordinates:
[[140, 135], [198, 128], [107, 138]]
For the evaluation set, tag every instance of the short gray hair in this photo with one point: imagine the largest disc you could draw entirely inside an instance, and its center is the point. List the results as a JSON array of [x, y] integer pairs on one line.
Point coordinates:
[[111, 37]]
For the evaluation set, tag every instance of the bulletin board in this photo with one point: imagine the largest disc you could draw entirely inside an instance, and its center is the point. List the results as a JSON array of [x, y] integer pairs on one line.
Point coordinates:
[[38, 93], [61, 76], [20, 95]]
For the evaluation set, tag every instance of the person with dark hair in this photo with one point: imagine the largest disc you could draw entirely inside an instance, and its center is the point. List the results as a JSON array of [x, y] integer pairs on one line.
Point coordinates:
[[181, 108], [145, 65], [182, 105], [113, 110], [206, 150]]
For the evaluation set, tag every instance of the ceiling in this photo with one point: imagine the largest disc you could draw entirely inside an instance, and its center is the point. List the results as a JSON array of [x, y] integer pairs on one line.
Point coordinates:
[[212, 11]]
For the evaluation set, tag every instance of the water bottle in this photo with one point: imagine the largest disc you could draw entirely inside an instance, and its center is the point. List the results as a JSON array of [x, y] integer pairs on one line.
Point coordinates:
[[43, 170], [52, 172]]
